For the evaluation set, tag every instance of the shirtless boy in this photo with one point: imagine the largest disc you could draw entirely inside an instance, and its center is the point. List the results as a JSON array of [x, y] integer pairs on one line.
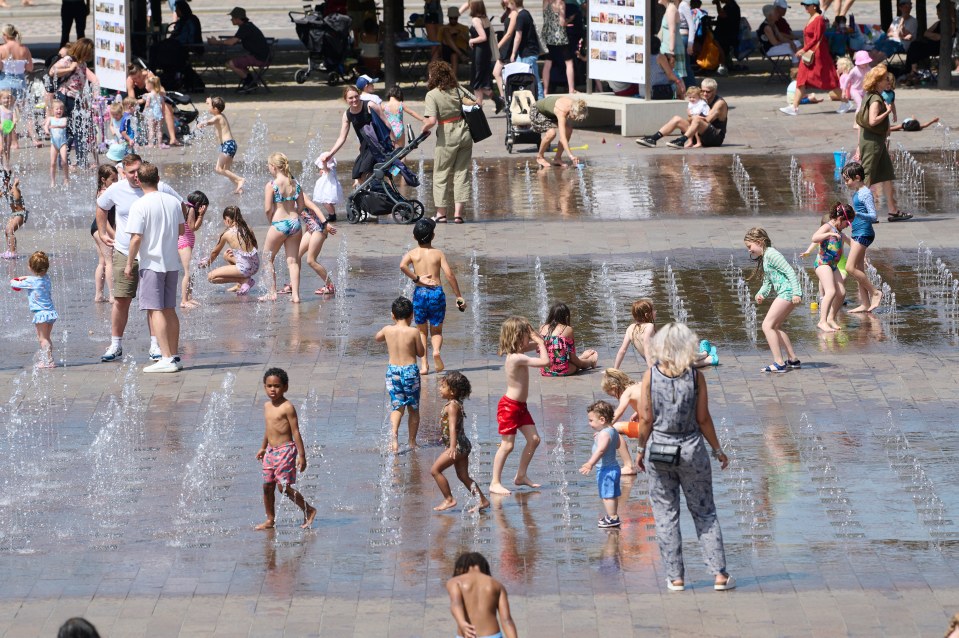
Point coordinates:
[[423, 266], [282, 451], [402, 374], [476, 598], [227, 143], [515, 338]]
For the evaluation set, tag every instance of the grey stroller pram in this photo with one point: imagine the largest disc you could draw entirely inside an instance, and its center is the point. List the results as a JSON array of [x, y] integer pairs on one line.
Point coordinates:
[[378, 194], [327, 39]]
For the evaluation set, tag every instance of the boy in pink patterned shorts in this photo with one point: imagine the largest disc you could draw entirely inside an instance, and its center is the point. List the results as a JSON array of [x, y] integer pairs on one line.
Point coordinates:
[[282, 451]]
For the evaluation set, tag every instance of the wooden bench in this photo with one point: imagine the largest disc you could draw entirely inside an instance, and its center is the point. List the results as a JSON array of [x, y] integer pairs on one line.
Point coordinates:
[[634, 116]]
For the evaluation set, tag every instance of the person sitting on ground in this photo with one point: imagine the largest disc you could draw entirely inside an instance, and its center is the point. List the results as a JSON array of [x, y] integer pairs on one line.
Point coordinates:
[[556, 113], [811, 98], [711, 129], [256, 49], [454, 39], [912, 125]]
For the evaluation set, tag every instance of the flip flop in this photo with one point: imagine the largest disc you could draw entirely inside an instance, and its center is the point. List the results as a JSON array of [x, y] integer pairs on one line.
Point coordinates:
[[458, 220], [286, 290], [440, 219]]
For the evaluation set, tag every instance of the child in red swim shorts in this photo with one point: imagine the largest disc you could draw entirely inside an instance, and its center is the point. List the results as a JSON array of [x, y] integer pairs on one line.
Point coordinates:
[[516, 337]]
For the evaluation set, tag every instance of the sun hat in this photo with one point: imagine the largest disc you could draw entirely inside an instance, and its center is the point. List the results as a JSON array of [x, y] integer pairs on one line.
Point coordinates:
[[862, 57], [238, 12]]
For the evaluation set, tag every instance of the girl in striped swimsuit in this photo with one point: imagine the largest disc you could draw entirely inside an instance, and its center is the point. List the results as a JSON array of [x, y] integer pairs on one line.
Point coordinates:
[[779, 276]]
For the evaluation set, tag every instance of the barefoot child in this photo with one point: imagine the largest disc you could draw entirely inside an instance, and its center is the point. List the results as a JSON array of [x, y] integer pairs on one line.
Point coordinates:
[[316, 228], [55, 126], [517, 336], [196, 205], [829, 240], [227, 143], [41, 304], [455, 388], [8, 126], [243, 260], [18, 212], [863, 235], [780, 277], [402, 375], [423, 266], [476, 598], [696, 107], [605, 444], [394, 109], [558, 335], [640, 333], [282, 451], [153, 112]]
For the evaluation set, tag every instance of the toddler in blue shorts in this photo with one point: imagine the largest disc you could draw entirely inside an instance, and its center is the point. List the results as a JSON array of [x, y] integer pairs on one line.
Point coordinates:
[[605, 444], [402, 373]]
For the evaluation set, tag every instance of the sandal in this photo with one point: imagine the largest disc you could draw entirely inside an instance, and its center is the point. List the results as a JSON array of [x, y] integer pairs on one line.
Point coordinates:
[[774, 367], [328, 289], [458, 220], [286, 290], [440, 219], [899, 216]]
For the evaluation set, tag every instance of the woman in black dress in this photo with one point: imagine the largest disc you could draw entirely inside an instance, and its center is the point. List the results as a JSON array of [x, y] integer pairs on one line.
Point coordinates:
[[505, 49], [481, 68], [358, 113]]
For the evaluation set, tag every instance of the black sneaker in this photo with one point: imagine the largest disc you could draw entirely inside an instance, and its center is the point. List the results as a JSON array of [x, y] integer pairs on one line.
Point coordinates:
[[606, 522], [648, 141], [795, 363], [331, 217], [679, 142]]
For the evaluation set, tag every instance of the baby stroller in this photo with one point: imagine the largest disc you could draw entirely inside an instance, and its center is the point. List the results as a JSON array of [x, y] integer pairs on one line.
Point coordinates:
[[327, 38], [184, 112], [520, 85], [378, 194]]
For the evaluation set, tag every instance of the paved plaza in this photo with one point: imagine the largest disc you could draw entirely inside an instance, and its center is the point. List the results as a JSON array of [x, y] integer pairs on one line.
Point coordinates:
[[130, 499]]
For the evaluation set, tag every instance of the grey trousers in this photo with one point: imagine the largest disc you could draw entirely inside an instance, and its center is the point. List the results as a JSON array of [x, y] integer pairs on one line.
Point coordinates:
[[694, 476]]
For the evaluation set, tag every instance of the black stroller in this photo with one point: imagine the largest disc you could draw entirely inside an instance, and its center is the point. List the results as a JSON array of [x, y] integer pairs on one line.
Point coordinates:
[[327, 38], [378, 195], [520, 86], [184, 111]]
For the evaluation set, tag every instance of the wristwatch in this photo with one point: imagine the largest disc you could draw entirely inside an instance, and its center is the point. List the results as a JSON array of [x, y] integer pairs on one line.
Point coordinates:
[[416, 279]]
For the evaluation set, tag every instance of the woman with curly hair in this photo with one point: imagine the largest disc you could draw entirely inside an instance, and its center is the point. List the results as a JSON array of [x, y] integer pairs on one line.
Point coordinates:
[[454, 146]]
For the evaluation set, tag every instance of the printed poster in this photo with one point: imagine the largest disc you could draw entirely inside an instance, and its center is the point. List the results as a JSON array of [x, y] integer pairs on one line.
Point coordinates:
[[111, 39], [617, 40]]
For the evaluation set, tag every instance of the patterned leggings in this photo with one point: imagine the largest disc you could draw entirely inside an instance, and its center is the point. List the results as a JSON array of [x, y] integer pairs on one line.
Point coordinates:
[[694, 476]]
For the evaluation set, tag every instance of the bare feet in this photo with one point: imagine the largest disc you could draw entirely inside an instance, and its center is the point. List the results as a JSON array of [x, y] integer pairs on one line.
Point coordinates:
[[270, 296], [483, 505], [394, 445], [497, 488], [233, 288], [835, 326], [99, 299], [438, 362], [874, 302], [309, 517], [825, 327], [295, 299], [542, 162], [445, 505], [424, 368], [628, 470], [413, 445], [189, 303], [524, 481], [861, 308], [267, 524], [239, 187]]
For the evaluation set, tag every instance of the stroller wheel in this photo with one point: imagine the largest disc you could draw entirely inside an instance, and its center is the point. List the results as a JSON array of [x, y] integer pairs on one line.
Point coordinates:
[[301, 75], [404, 213], [418, 209], [353, 214]]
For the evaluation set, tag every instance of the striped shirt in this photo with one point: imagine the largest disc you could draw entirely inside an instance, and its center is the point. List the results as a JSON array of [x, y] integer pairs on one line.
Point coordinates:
[[779, 276]]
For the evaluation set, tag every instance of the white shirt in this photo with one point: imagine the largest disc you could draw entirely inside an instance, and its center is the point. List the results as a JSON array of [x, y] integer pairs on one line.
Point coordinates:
[[157, 216], [699, 107], [371, 97], [122, 195]]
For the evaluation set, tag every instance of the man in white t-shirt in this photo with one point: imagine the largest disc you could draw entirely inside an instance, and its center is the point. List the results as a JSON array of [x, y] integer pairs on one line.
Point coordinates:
[[122, 195], [154, 223]]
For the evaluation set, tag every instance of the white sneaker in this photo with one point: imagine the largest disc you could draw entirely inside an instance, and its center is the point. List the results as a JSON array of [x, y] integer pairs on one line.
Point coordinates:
[[112, 354], [177, 363], [162, 366], [155, 353], [845, 107], [789, 110]]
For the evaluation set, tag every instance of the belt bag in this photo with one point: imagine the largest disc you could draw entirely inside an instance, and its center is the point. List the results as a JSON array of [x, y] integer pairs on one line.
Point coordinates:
[[664, 456]]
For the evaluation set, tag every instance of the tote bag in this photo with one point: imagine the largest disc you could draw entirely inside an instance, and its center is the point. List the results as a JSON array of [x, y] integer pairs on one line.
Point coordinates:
[[475, 120]]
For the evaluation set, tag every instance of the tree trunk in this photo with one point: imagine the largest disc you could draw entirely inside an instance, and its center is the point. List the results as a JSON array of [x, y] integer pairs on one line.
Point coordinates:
[[945, 47], [392, 12]]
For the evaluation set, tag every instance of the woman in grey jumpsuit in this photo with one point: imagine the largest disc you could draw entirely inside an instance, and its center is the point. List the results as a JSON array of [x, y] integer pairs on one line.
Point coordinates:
[[674, 409]]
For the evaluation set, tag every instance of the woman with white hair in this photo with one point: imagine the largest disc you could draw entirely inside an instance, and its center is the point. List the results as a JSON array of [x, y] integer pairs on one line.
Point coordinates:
[[674, 427], [556, 113]]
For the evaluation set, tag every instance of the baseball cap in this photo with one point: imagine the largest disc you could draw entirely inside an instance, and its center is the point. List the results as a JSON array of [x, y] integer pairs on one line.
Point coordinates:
[[807, 3], [781, 4], [453, 12], [364, 80], [238, 12]]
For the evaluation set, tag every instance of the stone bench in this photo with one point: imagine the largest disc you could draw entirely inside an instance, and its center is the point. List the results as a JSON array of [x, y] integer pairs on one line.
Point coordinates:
[[635, 116]]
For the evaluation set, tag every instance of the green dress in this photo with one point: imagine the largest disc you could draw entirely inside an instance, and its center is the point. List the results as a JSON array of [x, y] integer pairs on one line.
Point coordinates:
[[452, 159], [873, 152]]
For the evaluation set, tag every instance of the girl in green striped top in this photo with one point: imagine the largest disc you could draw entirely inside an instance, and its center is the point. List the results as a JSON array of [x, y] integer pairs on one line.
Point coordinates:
[[780, 277]]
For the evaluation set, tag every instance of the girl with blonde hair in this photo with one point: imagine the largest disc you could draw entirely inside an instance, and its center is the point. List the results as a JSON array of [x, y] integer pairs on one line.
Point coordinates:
[[283, 201], [778, 276]]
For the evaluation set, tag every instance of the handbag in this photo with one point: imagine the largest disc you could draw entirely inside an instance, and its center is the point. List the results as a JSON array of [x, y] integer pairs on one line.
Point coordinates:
[[808, 57], [664, 456], [475, 120], [862, 116]]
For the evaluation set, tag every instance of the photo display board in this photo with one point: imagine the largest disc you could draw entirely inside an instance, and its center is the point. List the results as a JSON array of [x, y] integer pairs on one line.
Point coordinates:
[[111, 31], [617, 40]]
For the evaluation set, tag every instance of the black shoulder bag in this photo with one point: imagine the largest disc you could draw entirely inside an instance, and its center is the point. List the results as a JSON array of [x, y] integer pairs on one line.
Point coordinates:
[[475, 119]]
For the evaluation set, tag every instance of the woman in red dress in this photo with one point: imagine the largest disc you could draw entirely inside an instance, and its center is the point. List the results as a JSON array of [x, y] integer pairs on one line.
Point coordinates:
[[820, 71]]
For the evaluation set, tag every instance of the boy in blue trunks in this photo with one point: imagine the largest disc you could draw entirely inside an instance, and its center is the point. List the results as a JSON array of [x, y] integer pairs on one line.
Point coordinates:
[[227, 143], [282, 451], [402, 374], [423, 266]]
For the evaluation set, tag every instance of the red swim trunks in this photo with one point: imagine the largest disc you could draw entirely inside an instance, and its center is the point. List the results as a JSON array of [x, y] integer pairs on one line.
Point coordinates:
[[512, 415], [279, 464]]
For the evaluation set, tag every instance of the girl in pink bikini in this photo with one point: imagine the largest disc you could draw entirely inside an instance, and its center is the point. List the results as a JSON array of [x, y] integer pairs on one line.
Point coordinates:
[[197, 203], [560, 346]]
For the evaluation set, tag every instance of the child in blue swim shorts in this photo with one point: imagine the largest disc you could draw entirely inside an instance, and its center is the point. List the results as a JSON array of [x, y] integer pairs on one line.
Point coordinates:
[[605, 444], [423, 265], [402, 374]]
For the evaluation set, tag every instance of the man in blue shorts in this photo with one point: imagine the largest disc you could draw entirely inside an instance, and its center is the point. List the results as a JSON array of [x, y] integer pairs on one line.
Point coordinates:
[[423, 265]]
